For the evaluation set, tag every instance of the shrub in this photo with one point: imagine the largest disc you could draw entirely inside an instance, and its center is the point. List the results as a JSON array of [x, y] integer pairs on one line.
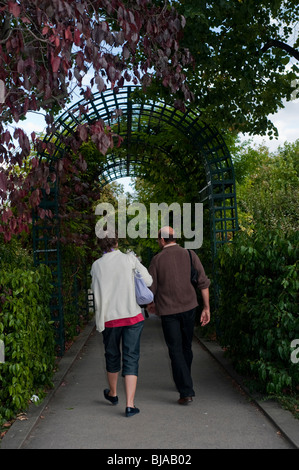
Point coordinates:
[[27, 333], [258, 310]]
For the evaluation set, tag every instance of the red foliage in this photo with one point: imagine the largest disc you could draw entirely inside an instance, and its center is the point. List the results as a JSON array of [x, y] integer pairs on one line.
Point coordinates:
[[46, 47]]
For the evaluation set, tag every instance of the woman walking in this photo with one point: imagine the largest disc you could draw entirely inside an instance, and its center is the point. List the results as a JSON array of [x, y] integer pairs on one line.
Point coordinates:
[[119, 317]]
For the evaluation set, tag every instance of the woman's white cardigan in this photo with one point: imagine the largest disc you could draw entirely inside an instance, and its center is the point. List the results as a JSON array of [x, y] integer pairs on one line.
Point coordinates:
[[114, 288]]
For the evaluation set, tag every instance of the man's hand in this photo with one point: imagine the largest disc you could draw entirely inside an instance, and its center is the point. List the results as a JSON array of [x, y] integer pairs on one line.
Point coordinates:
[[205, 314], [151, 308], [205, 317]]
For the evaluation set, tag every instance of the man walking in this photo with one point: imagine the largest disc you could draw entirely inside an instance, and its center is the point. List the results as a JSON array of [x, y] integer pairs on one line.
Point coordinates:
[[176, 302]]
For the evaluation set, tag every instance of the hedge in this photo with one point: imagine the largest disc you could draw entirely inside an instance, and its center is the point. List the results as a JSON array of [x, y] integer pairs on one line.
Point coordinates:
[[27, 333], [258, 312]]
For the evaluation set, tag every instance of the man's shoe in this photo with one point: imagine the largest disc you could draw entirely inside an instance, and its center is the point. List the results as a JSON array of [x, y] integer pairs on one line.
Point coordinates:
[[131, 411], [113, 400], [185, 401]]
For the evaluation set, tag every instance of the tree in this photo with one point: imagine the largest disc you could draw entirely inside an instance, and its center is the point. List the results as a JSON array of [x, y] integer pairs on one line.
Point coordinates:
[[245, 60], [47, 47], [268, 189]]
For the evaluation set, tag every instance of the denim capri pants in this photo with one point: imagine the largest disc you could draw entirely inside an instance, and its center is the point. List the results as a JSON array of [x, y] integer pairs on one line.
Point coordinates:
[[129, 338]]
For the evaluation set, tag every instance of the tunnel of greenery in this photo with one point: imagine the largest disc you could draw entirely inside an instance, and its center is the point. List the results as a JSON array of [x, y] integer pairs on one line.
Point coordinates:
[[182, 159]]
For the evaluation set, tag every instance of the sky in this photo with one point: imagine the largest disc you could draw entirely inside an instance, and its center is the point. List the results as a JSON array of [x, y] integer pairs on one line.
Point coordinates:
[[287, 123]]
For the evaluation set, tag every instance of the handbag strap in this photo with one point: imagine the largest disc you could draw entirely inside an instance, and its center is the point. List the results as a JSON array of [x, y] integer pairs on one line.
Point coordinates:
[[190, 258]]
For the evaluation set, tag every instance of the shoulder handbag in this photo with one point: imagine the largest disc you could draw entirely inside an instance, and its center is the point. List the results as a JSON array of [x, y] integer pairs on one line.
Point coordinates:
[[144, 295], [194, 273]]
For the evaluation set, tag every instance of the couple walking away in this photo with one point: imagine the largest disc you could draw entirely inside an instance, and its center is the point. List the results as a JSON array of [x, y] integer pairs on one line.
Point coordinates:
[[119, 317]]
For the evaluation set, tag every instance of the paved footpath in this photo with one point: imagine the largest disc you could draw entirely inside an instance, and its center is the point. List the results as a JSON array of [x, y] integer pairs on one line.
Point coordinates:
[[76, 415]]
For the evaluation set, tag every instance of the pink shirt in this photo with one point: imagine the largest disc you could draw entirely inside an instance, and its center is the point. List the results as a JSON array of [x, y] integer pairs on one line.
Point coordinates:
[[124, 321]]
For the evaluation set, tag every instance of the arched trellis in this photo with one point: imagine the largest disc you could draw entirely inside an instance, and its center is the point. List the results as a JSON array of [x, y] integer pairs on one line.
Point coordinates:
[[141, 116]]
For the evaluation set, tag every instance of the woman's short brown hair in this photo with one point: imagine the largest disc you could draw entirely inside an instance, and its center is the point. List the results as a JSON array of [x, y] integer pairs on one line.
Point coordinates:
[[108, 242]]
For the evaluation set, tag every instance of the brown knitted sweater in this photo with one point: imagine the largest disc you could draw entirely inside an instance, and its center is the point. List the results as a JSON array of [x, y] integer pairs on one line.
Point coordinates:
[[172, 288]]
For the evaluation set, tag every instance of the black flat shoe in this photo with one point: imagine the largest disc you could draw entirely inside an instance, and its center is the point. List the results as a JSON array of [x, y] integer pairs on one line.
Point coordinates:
[[113, 400], [131, 411]]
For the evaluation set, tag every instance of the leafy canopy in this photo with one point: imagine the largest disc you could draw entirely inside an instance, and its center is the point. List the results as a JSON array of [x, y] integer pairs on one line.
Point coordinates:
[[49, 47], [245, 60]]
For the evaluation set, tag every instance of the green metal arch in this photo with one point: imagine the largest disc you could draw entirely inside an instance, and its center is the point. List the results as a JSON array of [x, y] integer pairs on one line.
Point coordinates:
[[140, 114], [219, 191]]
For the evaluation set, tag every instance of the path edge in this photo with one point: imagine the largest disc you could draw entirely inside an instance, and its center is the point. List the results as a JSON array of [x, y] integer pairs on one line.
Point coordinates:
[[282, 419]]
